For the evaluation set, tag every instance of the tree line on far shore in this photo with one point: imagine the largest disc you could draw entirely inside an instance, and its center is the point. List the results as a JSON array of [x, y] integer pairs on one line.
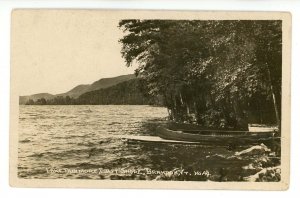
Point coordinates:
[[125, 93]]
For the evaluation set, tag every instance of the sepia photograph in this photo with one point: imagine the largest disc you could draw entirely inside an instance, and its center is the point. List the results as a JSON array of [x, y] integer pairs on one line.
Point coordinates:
[[150, 99]]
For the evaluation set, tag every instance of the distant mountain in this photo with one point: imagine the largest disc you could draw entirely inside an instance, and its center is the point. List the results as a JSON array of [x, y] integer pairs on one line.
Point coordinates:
[[125, 93], [128, 92], [80, 89], [108, 82], [76, 91]]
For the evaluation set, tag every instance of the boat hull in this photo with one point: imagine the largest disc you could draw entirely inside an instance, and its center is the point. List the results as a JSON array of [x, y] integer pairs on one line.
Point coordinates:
[[214, 136]]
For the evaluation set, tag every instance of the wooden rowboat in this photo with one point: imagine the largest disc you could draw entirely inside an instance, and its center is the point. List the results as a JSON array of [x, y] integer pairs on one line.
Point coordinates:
[[215, 136]]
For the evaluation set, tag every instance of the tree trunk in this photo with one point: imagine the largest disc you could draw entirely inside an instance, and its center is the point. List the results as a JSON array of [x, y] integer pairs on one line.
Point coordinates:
[[181, 100], [241, 122], [175, 109], [274, 98]]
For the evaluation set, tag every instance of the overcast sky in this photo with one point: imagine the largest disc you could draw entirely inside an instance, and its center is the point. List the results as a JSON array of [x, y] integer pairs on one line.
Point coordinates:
[[54, 51]]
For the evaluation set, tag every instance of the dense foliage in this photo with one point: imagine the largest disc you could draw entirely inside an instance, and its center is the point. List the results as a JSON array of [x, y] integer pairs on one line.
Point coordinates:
[[214, 73]]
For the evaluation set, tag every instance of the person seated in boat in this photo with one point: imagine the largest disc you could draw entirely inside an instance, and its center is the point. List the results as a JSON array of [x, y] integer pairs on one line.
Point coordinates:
[[237, 123], [242, 124]]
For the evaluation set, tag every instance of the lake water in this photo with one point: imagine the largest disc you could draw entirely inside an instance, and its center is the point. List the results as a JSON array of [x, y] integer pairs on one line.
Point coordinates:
[[83, 142]]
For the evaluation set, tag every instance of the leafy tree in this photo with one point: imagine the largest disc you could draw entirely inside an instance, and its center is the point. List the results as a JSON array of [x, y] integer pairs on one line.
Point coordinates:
[[207, 71]]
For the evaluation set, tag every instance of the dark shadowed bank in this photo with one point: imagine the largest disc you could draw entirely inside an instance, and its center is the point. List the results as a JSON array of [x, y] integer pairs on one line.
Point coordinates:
[[216, 74]]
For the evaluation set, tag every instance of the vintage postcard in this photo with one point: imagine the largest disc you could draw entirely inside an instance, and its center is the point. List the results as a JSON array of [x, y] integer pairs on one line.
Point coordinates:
[[150, 99]]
